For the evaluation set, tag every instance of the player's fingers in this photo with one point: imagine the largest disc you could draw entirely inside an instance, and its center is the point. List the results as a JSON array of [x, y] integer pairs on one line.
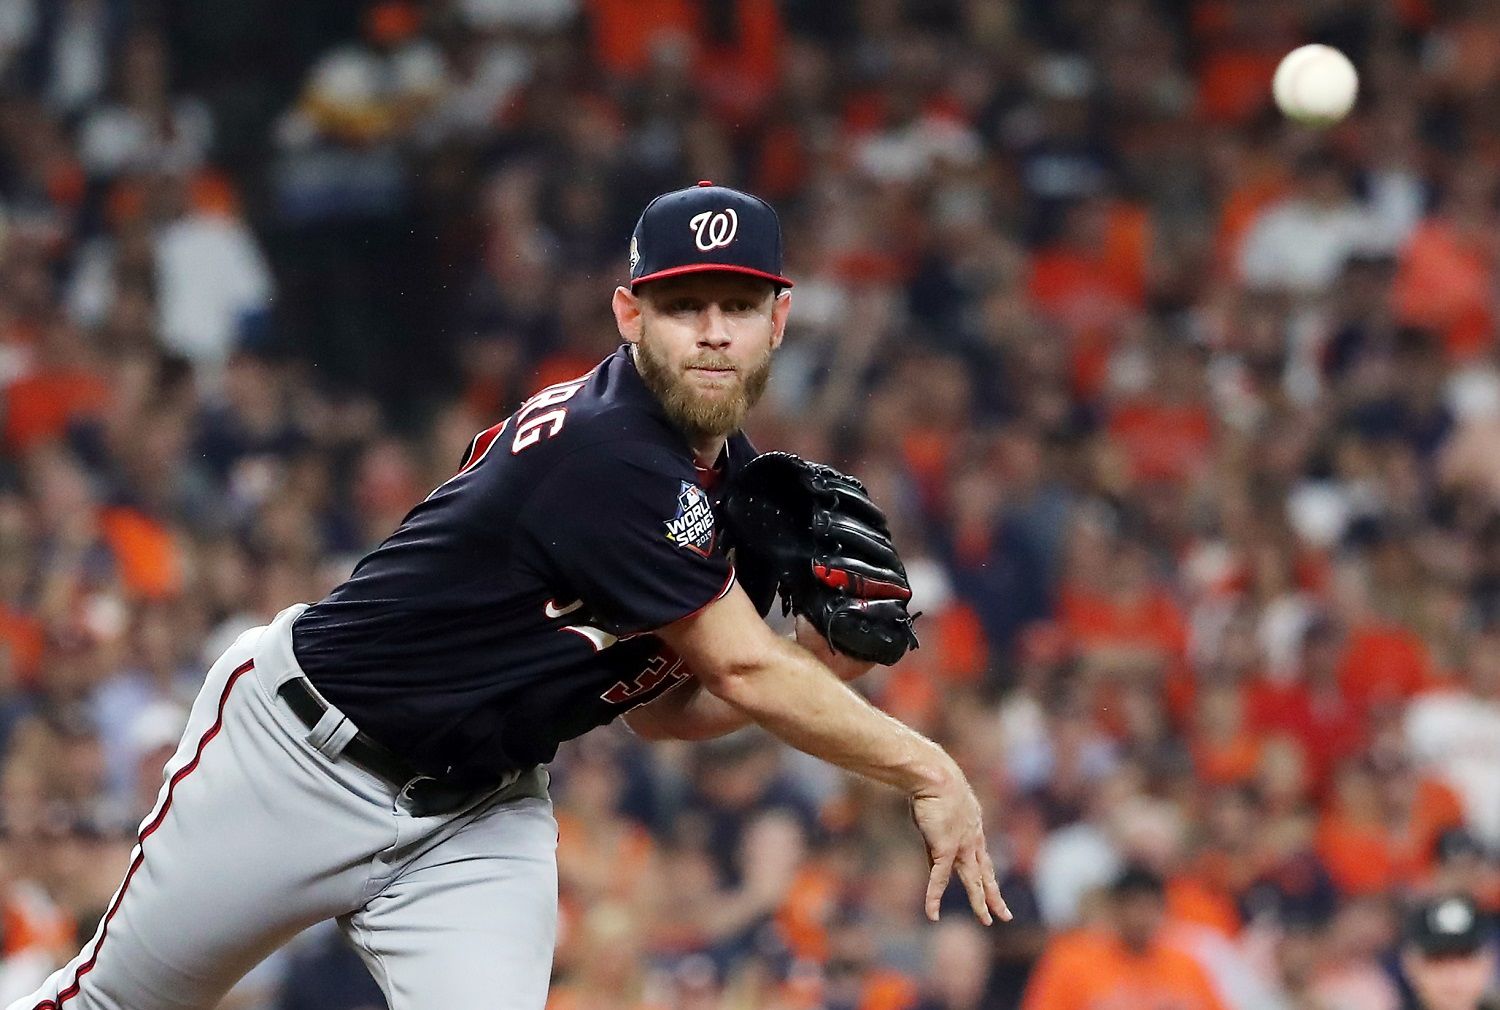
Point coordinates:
[[937, 883], [972, 876], [992, 894]]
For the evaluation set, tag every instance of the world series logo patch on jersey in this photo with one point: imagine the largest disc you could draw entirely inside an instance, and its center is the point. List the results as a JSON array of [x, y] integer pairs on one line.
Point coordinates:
[[693, 527]]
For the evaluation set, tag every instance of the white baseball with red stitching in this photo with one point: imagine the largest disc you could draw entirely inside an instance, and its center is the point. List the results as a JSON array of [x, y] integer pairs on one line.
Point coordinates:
[[1315, 85]]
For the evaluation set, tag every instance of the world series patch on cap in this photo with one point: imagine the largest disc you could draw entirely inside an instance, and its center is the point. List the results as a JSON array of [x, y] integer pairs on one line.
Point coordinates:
[[706, 228]]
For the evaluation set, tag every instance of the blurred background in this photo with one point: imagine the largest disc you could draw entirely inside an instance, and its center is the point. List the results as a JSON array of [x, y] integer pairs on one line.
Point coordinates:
[[1188, 420]]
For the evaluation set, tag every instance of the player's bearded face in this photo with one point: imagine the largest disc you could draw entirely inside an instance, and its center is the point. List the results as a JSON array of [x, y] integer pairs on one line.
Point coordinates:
[[696, 410], [697, 407]]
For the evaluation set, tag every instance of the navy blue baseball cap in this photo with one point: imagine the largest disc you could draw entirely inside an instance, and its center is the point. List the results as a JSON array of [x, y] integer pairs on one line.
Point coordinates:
[[706, 228], [1445, 927]]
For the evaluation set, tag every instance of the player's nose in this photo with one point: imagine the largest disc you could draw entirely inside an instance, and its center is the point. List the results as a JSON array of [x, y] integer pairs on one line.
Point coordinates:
[[714, 328]]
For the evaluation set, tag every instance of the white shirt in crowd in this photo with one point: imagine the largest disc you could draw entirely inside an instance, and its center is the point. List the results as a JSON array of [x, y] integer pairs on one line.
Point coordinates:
[[1300, 246], [1456, 736], [211, 275]]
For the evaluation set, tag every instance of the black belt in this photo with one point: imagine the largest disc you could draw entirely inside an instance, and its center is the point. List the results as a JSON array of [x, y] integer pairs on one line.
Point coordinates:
[[425, 795]]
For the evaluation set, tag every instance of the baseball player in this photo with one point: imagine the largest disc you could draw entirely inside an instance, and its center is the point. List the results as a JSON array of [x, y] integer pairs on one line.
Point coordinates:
[[377, 757]]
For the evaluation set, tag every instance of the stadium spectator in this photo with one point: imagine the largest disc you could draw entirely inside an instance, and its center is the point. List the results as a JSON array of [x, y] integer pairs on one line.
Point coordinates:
[[1448, 956], [1125, 959]]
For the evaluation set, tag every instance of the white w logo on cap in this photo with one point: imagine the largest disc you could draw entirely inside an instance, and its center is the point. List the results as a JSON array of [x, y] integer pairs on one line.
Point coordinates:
[[714, 230]]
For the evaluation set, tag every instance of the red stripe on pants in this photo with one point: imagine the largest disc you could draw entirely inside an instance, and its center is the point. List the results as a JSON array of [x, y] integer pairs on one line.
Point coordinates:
[[140, 856]]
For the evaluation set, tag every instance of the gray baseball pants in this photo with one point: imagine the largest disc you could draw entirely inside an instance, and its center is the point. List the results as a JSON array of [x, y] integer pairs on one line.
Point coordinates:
[[257, 834]]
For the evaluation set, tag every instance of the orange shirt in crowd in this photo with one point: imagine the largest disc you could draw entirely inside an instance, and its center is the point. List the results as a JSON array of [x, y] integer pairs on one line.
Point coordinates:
[[803, 918], [1062, 275], [39, 407], [33, 922], [1368, 858], [782, 163], [485, 399], [23, 639], [1436, 809], [145, 554], [1443, 284], [1329, 728], [1153, 624], [1163, 441], [1228, 762], [1090, 971], [1234, 85], [953, 653], [1357, 855], [928, 453], [625, 30], [738, 72], [1090, 291], [561, 366], [1195, 900], [1098, 619], [1234, 77], [1383, 662], [888, 989]]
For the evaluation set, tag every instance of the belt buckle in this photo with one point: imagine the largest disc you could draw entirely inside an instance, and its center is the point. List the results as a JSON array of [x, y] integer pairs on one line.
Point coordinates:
[[406, 795]]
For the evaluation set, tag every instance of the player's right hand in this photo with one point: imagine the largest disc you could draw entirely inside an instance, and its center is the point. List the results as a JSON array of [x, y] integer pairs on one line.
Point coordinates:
[[952, 826]]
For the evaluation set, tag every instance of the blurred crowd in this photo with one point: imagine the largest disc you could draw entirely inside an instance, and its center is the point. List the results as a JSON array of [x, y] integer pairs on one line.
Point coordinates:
[[1187, 419]]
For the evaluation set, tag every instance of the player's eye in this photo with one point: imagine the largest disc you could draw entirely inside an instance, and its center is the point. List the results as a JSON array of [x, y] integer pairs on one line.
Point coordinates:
[[681, 306], [739, 306]]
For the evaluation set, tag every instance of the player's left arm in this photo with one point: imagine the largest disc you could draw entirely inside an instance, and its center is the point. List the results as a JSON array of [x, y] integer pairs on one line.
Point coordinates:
[[688, 712]]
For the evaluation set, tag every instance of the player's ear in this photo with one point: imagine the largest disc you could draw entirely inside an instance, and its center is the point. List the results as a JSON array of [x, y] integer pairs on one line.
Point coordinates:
[[627, 306], [781, 307]]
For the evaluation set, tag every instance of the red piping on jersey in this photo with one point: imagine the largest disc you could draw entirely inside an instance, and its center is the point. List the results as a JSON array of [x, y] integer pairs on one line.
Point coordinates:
[[708, 476], [146, 832], [481, 447]]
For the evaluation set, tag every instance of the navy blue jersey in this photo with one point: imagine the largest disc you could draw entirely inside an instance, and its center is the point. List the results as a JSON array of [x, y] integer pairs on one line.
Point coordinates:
[[513, 608]]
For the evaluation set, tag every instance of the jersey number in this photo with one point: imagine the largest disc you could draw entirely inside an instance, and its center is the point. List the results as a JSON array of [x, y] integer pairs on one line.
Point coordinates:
[[661, 668]]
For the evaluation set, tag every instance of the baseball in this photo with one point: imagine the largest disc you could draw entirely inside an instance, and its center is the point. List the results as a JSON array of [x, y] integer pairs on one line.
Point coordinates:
[[1315, 85]]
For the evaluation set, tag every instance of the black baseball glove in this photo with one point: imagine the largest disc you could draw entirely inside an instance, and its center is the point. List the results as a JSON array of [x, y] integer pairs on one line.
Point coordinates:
[[831, 550]]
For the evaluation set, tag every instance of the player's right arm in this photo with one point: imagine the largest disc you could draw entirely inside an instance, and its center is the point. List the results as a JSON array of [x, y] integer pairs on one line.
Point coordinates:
[[783, 687], [688, 712]]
